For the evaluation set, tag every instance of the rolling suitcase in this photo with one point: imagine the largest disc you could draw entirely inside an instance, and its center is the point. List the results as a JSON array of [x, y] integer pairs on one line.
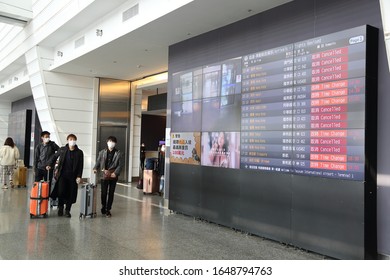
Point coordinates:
[[150, 182], [53, 202], [88, 201], [22, 176], [39, 199]]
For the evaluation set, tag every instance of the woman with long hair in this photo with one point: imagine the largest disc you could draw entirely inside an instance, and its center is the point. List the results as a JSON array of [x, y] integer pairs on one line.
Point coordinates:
[[9, 154]]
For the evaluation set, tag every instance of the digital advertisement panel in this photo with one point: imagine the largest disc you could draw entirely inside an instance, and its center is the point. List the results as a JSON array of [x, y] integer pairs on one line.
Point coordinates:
[[185, 148]]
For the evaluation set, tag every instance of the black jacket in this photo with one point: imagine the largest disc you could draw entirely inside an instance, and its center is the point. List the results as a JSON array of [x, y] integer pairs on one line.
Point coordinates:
[[77, 171], [44, 155], [78, 163]]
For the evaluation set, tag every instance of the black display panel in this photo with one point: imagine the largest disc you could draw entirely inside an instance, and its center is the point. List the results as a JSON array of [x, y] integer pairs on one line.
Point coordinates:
[[300, 108]]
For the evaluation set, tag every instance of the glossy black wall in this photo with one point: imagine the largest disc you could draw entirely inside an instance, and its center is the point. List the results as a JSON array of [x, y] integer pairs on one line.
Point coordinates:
[[333, 217]]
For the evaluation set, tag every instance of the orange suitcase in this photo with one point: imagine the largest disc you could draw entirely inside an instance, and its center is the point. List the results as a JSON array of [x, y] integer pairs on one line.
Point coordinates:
[[39, 199]]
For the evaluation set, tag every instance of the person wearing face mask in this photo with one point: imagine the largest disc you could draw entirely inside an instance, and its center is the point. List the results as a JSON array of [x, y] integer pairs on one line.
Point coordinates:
[[109, 161], [70, 160], [43, 156]]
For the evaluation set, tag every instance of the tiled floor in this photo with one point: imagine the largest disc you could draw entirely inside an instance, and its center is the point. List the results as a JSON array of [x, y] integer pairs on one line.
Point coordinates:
[[141, 227]]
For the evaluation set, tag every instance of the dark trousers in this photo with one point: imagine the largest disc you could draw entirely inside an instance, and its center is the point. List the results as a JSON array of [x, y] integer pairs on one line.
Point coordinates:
[[41, 174], [65, 186], [108, 189]]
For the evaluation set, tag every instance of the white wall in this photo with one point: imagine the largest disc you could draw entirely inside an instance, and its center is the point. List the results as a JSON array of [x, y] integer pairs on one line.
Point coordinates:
[[5, 110]]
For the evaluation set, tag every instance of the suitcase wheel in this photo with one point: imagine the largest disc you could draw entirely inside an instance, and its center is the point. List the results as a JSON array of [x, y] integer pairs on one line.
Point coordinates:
[[45, 215]]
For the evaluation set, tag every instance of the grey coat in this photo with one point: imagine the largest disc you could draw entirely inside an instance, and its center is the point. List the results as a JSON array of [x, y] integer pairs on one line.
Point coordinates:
[[116, 164]]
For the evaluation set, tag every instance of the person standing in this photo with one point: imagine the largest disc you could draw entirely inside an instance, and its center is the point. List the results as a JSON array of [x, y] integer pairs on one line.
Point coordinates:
[[70, 160], [43, 157], [9, 154], [109, 161]]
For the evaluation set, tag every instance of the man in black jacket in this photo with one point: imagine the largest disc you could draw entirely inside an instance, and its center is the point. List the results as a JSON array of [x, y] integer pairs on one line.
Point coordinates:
[[43, 157], [109, 161]]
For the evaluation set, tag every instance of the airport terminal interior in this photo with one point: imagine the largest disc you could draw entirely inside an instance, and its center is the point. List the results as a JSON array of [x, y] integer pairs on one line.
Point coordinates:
[[248, 129], [141, 228]]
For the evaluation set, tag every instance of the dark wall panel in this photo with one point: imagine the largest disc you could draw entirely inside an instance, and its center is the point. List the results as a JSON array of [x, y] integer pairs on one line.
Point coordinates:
[[328, 216], [324, 215], [265, 204], [185, 196]]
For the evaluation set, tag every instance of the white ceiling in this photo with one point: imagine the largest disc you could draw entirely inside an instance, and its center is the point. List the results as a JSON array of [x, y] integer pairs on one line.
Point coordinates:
[[144, 52]]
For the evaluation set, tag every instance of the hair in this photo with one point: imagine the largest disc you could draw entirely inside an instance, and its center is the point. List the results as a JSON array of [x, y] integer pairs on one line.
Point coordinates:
[[43, 133], [71, 136], [9, 142], [112, 139]]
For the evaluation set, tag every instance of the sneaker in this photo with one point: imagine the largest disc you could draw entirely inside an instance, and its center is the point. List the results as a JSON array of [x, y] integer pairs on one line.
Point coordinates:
[[60, 212], [67, 214], [4, 187], [104, 211], [108, 214]]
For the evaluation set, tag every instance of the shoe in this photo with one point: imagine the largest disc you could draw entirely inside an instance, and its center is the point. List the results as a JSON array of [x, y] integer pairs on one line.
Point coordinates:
[[60, 212], [104, 211], [4, 187], [11, 184], [108, 214], [67, 214]]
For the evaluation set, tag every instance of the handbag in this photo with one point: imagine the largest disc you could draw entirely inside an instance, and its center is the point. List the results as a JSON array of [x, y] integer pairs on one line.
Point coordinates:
[[107, 174]]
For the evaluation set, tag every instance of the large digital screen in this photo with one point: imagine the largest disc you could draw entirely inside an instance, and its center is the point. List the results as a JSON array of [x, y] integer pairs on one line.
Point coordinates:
[[298, 108]]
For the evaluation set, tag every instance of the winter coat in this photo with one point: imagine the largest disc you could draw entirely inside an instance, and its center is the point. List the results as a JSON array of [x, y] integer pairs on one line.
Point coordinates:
[[44, 155], [116, 163], [9, 155], [77, 170]]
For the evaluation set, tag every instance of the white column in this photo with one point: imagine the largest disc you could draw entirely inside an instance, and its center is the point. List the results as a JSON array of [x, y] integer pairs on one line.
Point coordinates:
[[5, 110], [65, 103]]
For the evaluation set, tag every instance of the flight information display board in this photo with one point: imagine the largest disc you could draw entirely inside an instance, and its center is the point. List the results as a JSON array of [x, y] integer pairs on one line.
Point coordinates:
[[298, 108], [303, 107]]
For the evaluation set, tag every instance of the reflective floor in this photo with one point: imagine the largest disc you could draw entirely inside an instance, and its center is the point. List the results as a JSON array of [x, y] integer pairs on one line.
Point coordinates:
[[141, 227]]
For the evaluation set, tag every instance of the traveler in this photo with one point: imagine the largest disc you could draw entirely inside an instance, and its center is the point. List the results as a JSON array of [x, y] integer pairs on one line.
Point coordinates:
[[43, 157], [109, 161], [70, 160], [9, 154]]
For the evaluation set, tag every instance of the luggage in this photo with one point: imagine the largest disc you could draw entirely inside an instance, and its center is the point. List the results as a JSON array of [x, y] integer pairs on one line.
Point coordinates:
[[53, 202], [22, 176], [151, 184], [88, 200], [151, 164], [39, 199]]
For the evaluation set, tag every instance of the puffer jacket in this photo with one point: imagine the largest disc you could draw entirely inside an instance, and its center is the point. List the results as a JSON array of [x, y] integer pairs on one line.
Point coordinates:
[[9, 155]]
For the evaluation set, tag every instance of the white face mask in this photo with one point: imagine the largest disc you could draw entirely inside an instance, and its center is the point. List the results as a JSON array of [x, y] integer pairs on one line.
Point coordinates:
[[72, 143], [46, 140], [111, 145]]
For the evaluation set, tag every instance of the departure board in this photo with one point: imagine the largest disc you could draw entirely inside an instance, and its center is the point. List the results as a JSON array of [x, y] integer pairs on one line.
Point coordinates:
[[303, 107], [297, 108]]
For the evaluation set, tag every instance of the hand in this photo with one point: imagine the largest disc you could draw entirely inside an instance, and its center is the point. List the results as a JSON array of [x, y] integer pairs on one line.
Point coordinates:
[[48, 168], [94, 171], [113, 175], [78, 180]]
